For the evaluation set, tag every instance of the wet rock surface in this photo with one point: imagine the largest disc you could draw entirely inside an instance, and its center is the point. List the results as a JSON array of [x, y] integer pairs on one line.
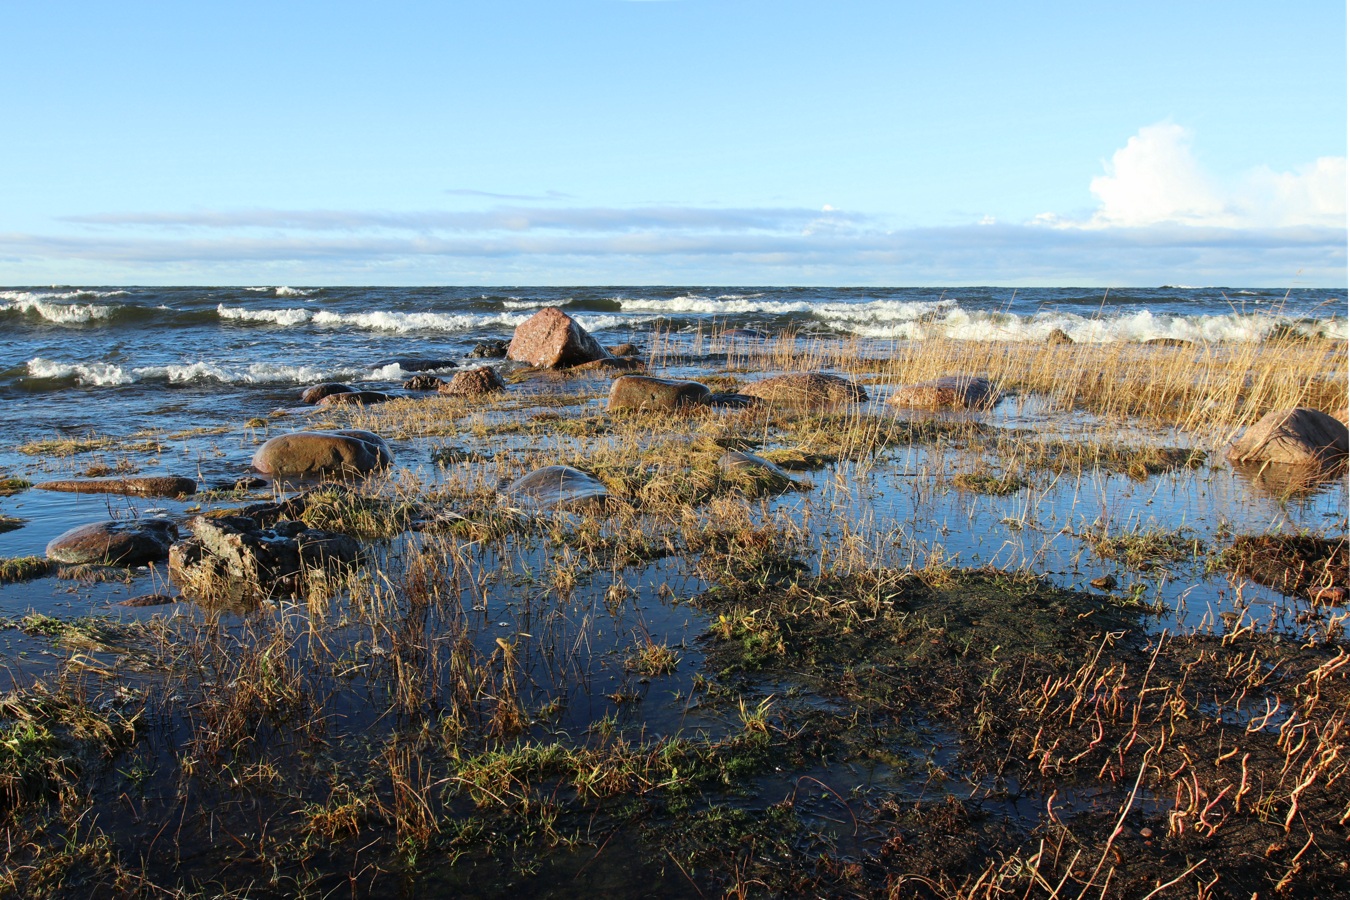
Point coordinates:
[[315, 393], [950, 392], [139, 486], [489, 350], [315, 453], [1295, 437], [553, 339], [646, 392], [233, 559], [739, 463], [557, 487], [356, 398], [474, 383], [1058, 337], [423, 383], [808, 389], [120, 542]]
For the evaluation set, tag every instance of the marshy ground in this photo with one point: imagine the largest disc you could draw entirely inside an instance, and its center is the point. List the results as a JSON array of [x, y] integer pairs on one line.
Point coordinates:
[[1055, 649]]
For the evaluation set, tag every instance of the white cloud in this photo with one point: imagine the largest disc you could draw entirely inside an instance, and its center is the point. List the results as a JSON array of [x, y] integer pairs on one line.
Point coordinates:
[[1155, 179]]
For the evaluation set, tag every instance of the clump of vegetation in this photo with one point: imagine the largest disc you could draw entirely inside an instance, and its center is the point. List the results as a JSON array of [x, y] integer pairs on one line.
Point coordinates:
[[10, 523], [336, 508], [1290, 563], [22, 568], [984, 483], [11, 486], [651, 658], [1147, 549]]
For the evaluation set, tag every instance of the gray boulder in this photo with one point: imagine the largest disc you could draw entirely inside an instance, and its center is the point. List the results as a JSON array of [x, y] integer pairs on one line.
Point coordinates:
[[557, 487], [1298, 436]]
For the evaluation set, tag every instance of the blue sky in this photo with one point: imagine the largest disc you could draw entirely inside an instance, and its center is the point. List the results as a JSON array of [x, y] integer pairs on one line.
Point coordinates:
[[675, 142]]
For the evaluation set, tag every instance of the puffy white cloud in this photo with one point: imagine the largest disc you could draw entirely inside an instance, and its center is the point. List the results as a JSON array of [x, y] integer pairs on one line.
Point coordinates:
[[1155, 179]]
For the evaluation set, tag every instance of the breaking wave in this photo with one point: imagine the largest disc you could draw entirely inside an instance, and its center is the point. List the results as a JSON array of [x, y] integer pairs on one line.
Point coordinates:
[[100, 374], [58, 308]]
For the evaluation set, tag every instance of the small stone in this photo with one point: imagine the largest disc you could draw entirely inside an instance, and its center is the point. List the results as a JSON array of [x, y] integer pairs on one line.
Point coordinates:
[[355, 398], [148, 600], [423, 383], [317, 392], [474, 383], [1146, 832], [628, 349], [1105, 583], [489, 350]]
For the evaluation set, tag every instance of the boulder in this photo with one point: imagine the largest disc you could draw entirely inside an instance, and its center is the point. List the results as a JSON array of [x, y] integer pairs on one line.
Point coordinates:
[[316, 392], [953, 391], [414, 364], [731, 401], [313, 453], [552, 339], [489, 350], [231, 559], [120, 543], [755, 469], [627, 349], [1298, 437], [645, 392], [1057, 337], [1168, 342], [423, 383], [355, 398], [810, 389], [474, 383], [614, 365], [557, 487], [140, 486]]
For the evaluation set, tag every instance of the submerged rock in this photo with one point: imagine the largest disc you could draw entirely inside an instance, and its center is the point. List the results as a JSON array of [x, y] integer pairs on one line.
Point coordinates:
[[356, 398], [953, 391], [312, 453], [810, 389], [488, 350], [315, 393], [120, 543], [140, 486], [423, 383], [646, 392], [1057, 337], [767, 475], [231, 559], [552, 339], [1296, 437], [557, 487], [474, 383]]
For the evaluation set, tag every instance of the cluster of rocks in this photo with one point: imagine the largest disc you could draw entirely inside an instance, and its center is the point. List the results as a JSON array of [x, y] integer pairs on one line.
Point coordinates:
[[235, 559]]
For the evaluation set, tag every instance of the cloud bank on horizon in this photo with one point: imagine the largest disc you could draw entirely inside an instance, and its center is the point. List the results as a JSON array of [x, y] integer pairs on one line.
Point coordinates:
[[1160, 217]]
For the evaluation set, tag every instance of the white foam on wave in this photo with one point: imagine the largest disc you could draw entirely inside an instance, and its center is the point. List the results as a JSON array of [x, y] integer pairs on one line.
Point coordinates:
[[54, 308], [959, 324], [104, 374], [517, 303], [273, 316]]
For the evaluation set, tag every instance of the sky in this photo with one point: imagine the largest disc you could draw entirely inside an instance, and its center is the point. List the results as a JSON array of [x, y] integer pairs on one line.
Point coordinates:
[[724, 142]]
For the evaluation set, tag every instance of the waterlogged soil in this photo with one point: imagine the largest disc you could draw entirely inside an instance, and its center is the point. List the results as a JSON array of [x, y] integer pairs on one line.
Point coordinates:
[[967, 655]]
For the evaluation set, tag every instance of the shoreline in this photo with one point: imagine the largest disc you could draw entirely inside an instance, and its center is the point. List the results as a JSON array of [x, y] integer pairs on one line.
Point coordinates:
[[716, 681]]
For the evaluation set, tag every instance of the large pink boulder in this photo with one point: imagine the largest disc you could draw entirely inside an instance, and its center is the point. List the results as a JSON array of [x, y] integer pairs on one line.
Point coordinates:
[[1298, 436], [552, 339]]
